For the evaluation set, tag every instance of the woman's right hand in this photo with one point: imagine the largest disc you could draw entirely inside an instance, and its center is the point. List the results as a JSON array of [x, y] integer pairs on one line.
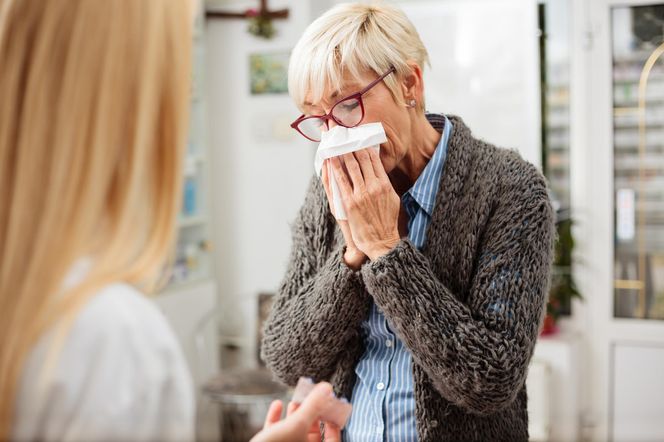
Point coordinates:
[[302, 423], [353, 257]]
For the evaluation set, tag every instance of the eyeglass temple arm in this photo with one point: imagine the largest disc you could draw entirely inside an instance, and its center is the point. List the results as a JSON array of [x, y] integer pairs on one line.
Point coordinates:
[[296, 122], [377, 80]]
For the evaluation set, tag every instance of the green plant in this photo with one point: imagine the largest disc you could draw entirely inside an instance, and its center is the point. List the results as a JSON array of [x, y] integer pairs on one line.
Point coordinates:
[[563, 287]]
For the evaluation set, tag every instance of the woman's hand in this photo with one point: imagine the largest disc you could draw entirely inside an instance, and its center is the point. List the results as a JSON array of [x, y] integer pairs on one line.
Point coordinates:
[[372, 206], [353, 257], [302, 422]]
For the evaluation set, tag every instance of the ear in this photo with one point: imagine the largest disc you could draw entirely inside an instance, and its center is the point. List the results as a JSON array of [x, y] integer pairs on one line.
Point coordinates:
[[412, 86]]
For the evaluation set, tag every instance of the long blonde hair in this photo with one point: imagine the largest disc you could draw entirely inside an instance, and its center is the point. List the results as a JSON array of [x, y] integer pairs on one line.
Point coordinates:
[[93, 113]]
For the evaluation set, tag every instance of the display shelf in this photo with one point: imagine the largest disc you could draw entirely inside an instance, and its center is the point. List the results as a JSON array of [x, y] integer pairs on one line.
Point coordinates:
[[191, 221], [639, 167], [193, 258]]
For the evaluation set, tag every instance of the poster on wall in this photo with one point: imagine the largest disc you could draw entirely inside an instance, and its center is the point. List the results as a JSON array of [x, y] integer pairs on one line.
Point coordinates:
[[268, 73]]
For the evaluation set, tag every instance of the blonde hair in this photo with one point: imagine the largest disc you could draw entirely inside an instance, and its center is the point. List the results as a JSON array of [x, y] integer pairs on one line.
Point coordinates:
[[92, 127], [353, 38]]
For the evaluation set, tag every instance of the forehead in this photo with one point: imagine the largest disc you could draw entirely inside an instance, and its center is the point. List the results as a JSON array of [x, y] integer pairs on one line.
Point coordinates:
[[348, 85]]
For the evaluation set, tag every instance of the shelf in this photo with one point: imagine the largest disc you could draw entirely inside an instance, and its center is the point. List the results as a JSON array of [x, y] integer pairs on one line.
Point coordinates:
[[635, 163], [635, 125], [624, 182], [633, 56], [635, 147], [192, 265], [631, 79], [191, 221], [196, 158], [234, 341], [650, 101], [557, 129], [557, 150], [557, 142]]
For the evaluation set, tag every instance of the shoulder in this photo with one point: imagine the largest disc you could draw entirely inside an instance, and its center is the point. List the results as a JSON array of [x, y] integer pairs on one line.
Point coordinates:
[[507, 172], [120, 310], [119, 363], [119, 321], [518, 191], [502, 169], [501, 177]]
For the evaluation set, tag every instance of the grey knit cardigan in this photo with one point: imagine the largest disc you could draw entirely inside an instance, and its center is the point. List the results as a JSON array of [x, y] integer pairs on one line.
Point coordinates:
[[468, 306]]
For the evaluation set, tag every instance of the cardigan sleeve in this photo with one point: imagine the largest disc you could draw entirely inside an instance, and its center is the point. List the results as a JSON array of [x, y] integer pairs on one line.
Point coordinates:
[[475, 352], [319, 305]]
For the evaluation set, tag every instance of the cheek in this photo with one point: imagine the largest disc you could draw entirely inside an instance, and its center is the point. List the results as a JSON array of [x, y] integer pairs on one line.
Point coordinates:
[[396, 145], [395, 149]]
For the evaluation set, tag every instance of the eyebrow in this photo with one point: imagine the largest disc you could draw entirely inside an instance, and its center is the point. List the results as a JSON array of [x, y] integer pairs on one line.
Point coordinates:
[[335, 94]]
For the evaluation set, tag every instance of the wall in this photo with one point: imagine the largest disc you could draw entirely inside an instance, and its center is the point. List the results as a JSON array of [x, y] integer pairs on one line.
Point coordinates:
[[484, 69], [260, 168]]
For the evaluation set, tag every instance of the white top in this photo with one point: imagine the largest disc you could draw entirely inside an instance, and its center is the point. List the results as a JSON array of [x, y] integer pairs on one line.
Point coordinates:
[[120, 376]]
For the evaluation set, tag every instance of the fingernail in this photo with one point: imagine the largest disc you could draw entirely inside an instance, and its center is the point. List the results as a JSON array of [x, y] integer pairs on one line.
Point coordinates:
[[308, 380], [344, 400], [332, 394]]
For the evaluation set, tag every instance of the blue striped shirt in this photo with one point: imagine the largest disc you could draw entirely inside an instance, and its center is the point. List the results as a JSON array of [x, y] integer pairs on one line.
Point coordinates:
[[383, 397]]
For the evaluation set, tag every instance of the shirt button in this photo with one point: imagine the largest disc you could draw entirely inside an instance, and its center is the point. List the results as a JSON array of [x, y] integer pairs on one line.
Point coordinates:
[[380, 386], [388, 343]]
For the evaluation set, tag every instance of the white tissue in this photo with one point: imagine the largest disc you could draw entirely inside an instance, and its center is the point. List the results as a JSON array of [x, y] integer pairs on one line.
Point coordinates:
[[341, 140]]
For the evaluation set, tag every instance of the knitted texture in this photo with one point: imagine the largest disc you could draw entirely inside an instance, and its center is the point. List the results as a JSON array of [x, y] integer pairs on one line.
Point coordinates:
[[468, 306]]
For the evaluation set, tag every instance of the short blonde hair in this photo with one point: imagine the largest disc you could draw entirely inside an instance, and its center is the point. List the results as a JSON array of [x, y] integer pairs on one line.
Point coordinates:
[[353, 38]]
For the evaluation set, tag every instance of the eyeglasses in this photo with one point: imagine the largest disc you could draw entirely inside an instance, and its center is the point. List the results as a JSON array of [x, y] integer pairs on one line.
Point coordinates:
[[347, 112]]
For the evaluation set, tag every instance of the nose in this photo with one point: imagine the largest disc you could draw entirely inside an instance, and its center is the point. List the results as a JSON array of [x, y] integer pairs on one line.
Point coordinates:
[[328, 124]]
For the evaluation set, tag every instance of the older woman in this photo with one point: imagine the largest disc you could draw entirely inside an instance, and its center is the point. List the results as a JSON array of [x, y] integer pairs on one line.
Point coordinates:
[[422, 307]]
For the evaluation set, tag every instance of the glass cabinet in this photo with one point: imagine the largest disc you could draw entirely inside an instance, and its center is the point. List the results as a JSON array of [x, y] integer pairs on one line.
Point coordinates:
[[638, 170]]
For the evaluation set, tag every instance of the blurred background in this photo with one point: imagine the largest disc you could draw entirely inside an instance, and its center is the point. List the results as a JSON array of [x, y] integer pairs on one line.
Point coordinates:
[[577, 86]]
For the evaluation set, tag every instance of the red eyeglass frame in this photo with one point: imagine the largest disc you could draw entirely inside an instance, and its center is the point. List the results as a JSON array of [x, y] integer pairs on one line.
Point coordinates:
[[326, 117]]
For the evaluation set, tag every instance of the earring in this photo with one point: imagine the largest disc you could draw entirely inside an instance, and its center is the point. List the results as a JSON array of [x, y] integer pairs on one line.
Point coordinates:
[[412, 103]]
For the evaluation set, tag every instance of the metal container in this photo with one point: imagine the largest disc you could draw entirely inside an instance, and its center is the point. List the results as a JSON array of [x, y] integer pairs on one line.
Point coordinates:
[[242, 398]]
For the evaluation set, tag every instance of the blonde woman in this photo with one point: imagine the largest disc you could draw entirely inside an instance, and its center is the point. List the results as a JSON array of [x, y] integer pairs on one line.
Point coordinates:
[[423, 307], [92, 123]]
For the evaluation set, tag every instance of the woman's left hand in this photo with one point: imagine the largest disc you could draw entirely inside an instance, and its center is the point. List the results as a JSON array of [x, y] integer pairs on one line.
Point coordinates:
[[371, 204]]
